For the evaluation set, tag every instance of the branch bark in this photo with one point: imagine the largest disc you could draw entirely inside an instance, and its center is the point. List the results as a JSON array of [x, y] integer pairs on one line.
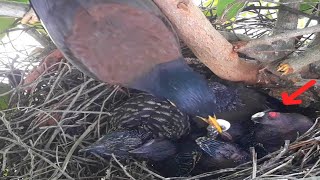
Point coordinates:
[[297, 63], [286, 21], [206, 42], [269, 40], [13, 9]]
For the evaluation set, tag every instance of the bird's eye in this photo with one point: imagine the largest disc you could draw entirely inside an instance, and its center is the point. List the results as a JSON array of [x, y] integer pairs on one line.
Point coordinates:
[[273, 115]]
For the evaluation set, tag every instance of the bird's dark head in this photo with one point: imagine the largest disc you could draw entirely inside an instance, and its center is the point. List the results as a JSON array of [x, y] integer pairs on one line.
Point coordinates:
[[186, 89]]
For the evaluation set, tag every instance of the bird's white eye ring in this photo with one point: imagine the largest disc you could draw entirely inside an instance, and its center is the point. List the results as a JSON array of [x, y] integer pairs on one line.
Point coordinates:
[[258, 115]]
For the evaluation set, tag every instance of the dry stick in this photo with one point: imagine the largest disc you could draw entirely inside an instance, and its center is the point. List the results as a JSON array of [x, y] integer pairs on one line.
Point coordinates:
[[297, 63], [31, 171], [285, 21], [275, 159], [254, 162], [304, 143], [57, 80], [19, 142], [57, 131], [149, 171], [279, 167], [13, 9], [65, 111], [285, 35], [122, 167], [307, 155], [313, 167], [73, 148], [102, 106]]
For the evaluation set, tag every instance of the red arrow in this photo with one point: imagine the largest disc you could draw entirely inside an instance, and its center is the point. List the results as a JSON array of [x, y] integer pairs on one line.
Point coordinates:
[[291, 100]]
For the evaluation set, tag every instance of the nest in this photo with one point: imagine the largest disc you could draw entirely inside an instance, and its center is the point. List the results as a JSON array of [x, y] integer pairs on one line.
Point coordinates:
[[64, 111]]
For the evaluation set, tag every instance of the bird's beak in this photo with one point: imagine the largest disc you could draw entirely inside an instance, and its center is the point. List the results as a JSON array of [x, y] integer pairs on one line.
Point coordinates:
[[213, 122]]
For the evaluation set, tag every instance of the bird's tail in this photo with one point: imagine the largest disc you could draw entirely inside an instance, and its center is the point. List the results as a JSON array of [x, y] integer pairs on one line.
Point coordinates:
[[131, 143], [118, 143]]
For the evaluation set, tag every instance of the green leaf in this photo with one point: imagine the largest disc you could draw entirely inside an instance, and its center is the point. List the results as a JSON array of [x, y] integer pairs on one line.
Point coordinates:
[[308, 6], [5, 23], [4, 99], [20, 1], [228, 9], [209, 5]]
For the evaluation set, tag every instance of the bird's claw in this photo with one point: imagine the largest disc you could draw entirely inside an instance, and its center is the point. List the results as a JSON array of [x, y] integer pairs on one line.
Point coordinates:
[[285, 69]]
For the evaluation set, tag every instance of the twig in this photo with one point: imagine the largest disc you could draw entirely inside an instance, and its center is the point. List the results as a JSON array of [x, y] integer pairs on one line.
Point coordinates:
[[18, 141], [279, 167], [13, 9], [294, 11], [73, 148], [285, 21], [285, 35], [275, 159], [122, 167], [297, 63], [149, 171], [313, 167], [254, 162]]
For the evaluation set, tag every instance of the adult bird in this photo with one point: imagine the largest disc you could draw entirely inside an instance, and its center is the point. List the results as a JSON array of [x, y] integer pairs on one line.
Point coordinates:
[[272, 128], [130, 43]]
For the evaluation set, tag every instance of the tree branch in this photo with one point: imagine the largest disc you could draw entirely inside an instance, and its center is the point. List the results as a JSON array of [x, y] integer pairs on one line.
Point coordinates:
[[13, 9], [206, 42], [297, 63], [243, 46], [285, 21]]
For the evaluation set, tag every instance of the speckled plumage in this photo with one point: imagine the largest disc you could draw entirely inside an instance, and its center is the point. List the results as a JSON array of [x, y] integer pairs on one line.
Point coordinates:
[[143, 126], [145, 112], [221, 154]]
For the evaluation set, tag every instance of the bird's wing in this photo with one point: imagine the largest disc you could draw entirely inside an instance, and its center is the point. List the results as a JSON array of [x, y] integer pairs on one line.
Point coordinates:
[[115, 41]]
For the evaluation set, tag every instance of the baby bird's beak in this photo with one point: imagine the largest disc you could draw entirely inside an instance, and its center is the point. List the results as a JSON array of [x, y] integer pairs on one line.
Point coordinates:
[[213, 122]]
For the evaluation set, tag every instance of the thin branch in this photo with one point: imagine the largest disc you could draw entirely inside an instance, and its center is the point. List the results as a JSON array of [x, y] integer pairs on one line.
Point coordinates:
[[13, 9], [254, 163], [297, 63], [74, 147], [294, 11], [285, 21], [122, 167], [269, 40]]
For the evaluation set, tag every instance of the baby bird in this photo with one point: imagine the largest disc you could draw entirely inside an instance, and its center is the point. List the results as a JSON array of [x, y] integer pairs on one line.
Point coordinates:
[[202, 154], [144, 126], [271, 129]]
